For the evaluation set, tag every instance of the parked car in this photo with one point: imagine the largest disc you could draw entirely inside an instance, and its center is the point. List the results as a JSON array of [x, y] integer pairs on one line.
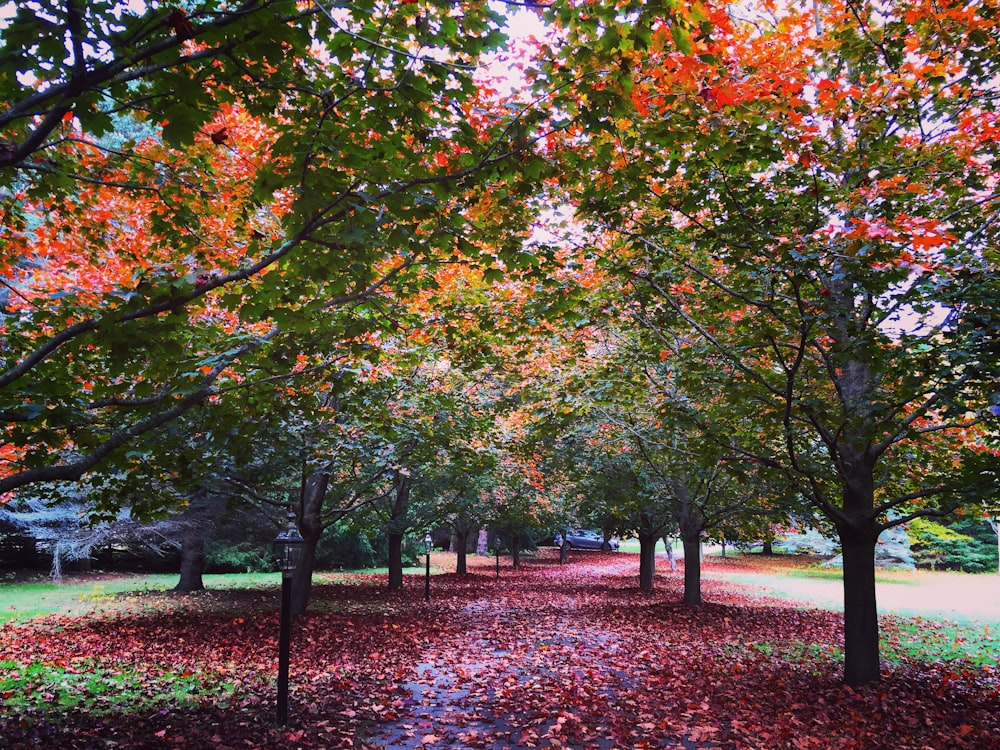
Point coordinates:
[[588, 539]]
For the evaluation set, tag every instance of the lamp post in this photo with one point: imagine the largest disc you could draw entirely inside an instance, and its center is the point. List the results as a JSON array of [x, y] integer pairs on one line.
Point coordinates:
[[288, 550], [496, 549], [428, 543]]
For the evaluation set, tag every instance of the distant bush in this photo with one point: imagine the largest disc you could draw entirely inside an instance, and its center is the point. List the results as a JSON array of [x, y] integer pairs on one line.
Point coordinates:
[[346, 548], [221, 557], [966, 545]]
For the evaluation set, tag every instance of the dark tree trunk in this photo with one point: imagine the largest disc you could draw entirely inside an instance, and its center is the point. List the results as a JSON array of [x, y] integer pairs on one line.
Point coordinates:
[[461, 548], [396, 530], [768, 548], [691, 524], [515, 549], [861, 649], [302, 577], [198, 523], [647, 560], [856, 522], [692, 569], [310, 521], [192, 562], [395, 562]]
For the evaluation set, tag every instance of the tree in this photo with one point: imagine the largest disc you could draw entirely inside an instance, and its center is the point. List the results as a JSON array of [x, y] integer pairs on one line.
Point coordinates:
[[309, 217], [808, 191]]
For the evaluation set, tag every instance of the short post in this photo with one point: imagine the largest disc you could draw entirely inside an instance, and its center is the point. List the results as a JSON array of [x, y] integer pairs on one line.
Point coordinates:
[[288, 550], [497, 550], [428, 543]]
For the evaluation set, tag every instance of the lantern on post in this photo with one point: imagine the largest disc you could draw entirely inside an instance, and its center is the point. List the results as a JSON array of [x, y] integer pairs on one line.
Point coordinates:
[[288, 551]]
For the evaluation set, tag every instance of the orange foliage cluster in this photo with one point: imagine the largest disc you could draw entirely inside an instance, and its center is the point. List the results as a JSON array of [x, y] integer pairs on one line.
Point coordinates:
[[103, 240]]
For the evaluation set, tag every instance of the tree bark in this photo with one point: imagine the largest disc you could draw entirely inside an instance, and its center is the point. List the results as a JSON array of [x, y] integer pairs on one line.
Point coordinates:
[[515, 549], [691, 523], [395, 561], [768, 548], [861, 649], [397, 528], [310, 522], [668, 544], [692, 569], [197, 526], [192, 562], [995, 525], [461, 548], [483, 543], [647, 560]]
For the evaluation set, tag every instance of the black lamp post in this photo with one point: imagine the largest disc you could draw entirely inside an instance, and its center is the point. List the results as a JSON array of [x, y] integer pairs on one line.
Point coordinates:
[[428, 543], [496, 549], [288, 550]]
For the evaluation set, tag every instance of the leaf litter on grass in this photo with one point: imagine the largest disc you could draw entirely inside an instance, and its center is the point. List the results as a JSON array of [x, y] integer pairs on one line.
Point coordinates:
[[549, 656]]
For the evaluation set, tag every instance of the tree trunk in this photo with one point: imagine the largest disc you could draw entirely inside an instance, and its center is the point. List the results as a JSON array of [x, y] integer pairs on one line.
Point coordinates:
[[192, 561], [461, 548], [515, 549], [668, 544], [768, 548], [995, 525], [647, 560], [396, 530], [692, 569], [310, 522], [302, 577], [691, 524], [395, 561], [861, 650], [483, 543], [197, 526]]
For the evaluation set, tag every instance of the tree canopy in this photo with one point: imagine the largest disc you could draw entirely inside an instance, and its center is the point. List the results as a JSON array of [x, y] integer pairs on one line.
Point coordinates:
[[744, 256]]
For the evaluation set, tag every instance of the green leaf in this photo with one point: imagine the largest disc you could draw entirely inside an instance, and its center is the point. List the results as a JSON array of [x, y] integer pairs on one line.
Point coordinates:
[[681, 38]]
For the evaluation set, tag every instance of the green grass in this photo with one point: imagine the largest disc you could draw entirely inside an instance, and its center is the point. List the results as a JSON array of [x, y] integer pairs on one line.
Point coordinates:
[[902, 639], [632, 545], [799, 652], [26, 600], [930, 640], [836, 574], [102, 691], [22, 601]]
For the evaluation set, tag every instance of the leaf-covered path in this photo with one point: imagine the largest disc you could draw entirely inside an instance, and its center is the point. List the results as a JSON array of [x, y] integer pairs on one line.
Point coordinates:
[[548, 656]]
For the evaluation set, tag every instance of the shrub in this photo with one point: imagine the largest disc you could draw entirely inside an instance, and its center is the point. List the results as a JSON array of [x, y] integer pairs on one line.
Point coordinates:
[[346, 548], [228, 558], [965, 545]]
